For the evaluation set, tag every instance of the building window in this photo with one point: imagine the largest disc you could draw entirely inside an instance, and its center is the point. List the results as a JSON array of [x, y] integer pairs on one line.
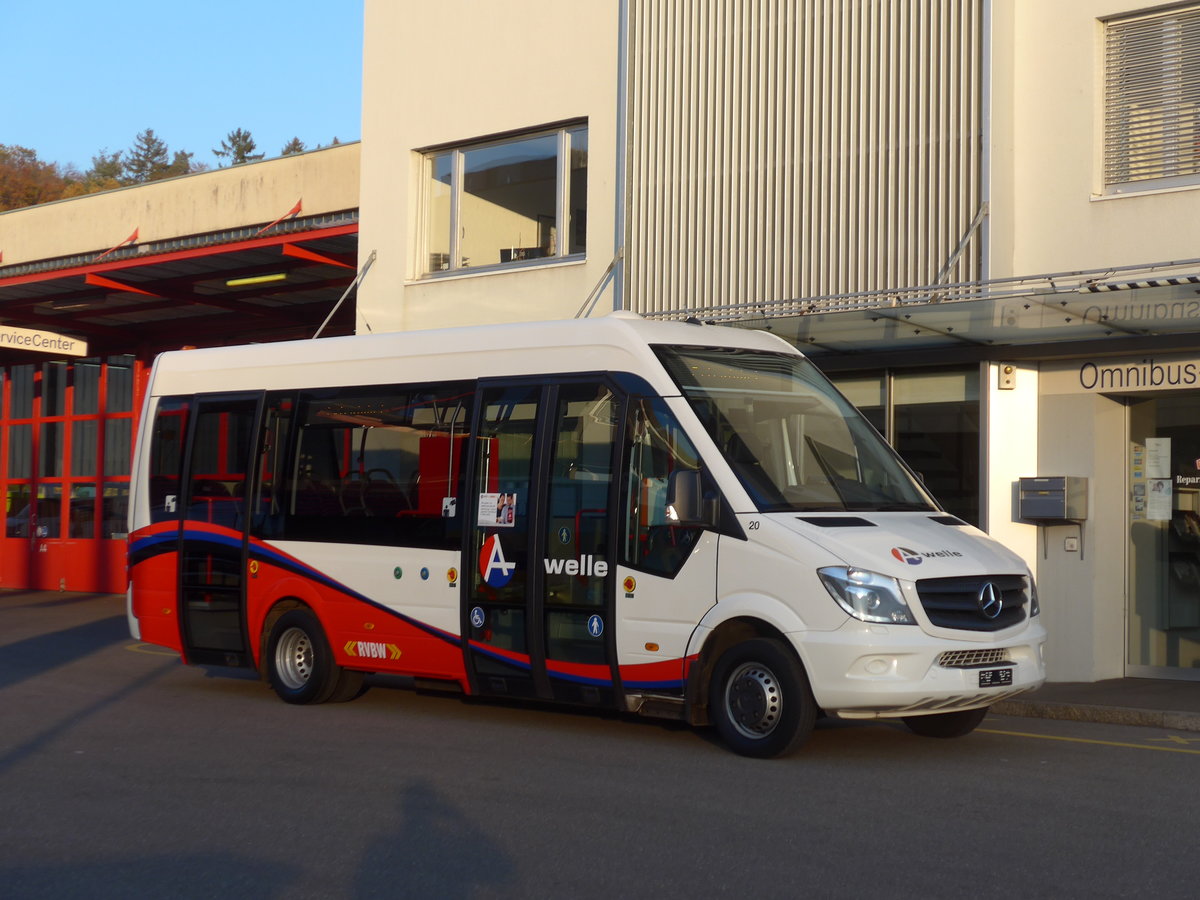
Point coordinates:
[[1152, 101], [514, 201], [933, 421]]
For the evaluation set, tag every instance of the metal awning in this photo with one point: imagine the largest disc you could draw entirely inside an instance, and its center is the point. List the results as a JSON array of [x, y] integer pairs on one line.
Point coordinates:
[[277, 282], [1159, 301]]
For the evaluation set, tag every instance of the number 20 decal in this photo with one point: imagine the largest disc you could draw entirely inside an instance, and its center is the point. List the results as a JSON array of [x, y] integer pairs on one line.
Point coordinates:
[[753, 524]]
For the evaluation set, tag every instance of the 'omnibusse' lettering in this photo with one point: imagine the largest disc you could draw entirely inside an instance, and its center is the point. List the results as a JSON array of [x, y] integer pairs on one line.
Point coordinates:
[[1146, 374]]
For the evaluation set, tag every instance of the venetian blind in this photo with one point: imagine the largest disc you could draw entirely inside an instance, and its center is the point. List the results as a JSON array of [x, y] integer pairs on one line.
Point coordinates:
[[1152, 100]]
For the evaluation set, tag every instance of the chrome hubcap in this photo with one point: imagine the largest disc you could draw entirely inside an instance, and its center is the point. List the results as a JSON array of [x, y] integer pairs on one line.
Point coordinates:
[[294, 658]]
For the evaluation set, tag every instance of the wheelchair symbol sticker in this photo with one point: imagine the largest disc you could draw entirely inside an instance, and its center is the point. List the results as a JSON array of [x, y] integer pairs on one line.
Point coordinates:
[[477, 617]]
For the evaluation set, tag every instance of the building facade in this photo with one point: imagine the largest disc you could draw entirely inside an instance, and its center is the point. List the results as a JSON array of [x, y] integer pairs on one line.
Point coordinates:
[[975, 215], [92, 288]]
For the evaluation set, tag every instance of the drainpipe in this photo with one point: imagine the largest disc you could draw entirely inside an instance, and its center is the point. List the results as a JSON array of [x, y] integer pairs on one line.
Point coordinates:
[[618, 279]]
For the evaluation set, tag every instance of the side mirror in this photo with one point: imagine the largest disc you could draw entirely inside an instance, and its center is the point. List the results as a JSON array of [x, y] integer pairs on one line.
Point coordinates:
[[686, 503]]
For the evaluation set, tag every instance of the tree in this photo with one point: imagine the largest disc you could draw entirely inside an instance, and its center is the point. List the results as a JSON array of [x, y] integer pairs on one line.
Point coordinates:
[[238, 147], [106, 167], [295, 145], [181, 164], [107, 172], [26, 180], [147, 159]]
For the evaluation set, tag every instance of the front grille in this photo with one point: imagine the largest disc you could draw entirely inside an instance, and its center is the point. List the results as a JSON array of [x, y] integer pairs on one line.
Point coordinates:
[[972, 659], [955, 602]]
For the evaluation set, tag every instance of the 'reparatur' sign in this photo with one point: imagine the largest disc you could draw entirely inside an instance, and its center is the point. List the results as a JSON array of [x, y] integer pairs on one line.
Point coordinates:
[[41, 341]]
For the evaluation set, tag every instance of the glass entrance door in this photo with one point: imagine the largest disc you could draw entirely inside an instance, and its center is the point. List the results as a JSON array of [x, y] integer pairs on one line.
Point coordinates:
[[538, 604], [502, 503], [1163, 625]]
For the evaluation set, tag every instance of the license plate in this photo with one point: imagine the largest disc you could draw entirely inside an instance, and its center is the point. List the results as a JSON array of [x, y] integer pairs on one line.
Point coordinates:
[[995, 677]]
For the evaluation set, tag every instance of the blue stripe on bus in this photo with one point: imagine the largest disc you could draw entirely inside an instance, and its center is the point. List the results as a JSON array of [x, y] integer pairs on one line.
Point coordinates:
[[168, 540]]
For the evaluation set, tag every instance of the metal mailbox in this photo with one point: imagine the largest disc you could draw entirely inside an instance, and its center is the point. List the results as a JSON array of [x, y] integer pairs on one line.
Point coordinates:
[[1061, 498]]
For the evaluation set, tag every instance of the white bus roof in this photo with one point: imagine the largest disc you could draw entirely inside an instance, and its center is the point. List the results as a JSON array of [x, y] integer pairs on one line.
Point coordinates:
[[618, 342]]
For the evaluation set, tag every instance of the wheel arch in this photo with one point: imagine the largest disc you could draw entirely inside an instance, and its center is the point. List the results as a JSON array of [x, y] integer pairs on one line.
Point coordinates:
[[728, 633], [268, 602]]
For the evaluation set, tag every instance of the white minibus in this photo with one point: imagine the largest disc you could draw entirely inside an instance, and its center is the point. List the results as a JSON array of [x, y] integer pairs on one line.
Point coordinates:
[[668, 518]]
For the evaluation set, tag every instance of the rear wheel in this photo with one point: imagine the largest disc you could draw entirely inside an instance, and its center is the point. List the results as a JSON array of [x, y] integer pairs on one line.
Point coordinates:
[[946, 725], [300, 666], [760, 699]]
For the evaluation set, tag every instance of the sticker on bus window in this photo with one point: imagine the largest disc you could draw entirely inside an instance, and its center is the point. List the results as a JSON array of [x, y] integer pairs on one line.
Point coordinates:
[[497, 510], [495, 569]]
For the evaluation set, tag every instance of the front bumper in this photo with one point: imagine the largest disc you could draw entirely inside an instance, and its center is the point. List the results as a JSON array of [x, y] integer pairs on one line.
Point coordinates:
[[864, 671]]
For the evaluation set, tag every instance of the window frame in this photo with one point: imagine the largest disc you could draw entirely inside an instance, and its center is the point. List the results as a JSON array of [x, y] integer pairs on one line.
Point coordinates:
[[1150, 124], [564, 132]]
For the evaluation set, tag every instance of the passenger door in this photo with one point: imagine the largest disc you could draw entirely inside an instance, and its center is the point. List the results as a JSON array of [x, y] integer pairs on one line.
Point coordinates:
[[212, 548], [537, 606]]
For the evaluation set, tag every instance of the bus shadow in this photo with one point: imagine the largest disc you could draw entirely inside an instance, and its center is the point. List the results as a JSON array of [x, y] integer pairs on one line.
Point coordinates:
[[198, 875], [432, 849], [48, 600], [34, 656], [436, 850]]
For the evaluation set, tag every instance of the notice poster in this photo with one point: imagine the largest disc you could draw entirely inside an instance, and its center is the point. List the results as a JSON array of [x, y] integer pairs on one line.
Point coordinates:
[[497, 510], [1137, 477], [1159, 486]]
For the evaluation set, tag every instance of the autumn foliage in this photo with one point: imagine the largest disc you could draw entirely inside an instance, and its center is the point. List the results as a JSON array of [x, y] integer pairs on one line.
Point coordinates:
[[26, 180]]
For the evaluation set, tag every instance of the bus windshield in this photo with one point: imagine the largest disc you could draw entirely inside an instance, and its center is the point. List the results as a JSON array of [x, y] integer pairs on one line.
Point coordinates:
[[794, 442]]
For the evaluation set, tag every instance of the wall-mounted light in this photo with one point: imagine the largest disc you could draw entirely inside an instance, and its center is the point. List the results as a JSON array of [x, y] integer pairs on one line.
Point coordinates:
[[256, 279]]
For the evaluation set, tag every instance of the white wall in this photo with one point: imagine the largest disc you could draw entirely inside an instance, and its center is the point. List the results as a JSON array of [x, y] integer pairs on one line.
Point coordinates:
[[1047, 213], [460, 70], [219, 200], [1012, 453], [1083, 593]]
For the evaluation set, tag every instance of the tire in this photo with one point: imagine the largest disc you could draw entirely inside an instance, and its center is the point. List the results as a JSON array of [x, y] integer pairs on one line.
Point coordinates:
[[350, 685], [300, 666], [946, 725], [760, 699]]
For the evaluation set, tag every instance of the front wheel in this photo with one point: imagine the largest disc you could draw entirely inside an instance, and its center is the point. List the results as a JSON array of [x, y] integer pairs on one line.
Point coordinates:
[[300, 666], [760, 699], [946, 725]]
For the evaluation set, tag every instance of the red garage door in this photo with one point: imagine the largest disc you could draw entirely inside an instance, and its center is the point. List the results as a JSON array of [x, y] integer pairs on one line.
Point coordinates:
[[67, 438]]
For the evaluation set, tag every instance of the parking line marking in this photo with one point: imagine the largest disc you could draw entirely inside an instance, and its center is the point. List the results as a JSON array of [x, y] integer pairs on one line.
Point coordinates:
[[1055, 737], [150, 650]]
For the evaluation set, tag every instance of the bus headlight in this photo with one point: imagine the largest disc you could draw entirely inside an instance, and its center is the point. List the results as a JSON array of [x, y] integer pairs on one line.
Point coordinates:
[[867, 596]]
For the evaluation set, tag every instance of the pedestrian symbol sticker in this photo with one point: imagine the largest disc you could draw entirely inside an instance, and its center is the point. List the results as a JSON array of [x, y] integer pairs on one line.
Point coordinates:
[[595, 626]]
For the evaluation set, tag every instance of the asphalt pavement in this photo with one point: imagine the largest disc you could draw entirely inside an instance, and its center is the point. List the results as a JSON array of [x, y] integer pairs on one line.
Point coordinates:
[[1157, 703]]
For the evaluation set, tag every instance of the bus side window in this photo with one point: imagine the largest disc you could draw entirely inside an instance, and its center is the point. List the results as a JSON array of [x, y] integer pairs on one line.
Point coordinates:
[[166, 458], [271, 500], [377, 464], [656, 446], [219, 454]]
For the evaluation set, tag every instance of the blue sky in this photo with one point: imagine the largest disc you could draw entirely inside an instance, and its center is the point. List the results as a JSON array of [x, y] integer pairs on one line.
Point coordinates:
[[77, 78]]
